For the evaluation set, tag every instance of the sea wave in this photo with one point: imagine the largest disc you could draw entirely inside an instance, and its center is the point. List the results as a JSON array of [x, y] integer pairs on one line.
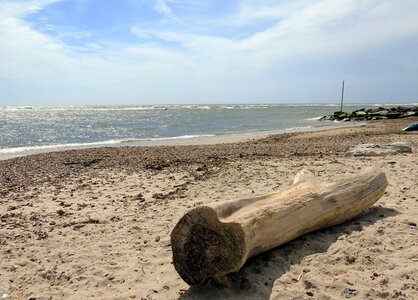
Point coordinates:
[[82, 108], [17, 150], [178, 137], [313, 119], [188, 106], [298, 128]]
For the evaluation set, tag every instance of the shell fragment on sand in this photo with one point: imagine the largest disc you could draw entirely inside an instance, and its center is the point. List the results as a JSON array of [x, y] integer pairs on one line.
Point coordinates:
[[378, 150]]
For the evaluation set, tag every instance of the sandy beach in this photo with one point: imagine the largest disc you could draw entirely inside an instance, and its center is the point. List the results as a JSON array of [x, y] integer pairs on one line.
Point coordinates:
[[96, 223]]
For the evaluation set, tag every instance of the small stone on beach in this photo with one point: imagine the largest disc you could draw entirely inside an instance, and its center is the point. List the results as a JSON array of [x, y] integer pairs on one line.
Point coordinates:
[[378, 150], [349, 292], [23, 263]]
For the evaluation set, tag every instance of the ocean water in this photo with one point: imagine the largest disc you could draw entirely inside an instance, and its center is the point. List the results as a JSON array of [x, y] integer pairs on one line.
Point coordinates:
[[44, 127]]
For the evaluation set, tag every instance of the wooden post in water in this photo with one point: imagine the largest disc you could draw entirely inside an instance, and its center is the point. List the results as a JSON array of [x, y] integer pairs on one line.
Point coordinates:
[[342, 97]]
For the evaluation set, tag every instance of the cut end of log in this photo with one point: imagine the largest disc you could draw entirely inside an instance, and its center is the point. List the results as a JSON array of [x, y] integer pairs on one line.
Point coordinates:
[[204, 248]]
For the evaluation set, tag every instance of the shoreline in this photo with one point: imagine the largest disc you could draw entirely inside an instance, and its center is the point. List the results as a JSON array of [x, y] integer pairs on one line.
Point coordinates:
[[96, 222], [173, 141]]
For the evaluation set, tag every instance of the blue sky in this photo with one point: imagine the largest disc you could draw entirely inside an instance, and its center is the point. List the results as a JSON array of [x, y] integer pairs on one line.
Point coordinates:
[[207, 51]]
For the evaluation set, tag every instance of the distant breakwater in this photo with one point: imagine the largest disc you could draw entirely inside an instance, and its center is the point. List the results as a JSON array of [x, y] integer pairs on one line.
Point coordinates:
[[380, 113]]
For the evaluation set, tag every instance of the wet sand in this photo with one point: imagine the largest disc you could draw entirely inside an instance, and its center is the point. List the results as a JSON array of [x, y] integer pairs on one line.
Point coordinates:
[[96, 223]]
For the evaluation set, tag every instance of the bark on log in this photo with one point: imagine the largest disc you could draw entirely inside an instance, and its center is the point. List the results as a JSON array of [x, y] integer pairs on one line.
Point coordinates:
[[216, 239]]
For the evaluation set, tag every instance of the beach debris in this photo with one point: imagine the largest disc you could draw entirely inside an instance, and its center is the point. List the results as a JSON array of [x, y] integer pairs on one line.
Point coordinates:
[[384, 281], [303, 272], [139, 197], [12, 268], [309, 284], [412, 224], [378, 150], [214, 240], [348, 292], [86, 163], [412, 127], [79, 226], [407, 286], [42, 235], [159, 196], [383, 294], [23, 263], [110, 276], [79, 223], [178, 191]]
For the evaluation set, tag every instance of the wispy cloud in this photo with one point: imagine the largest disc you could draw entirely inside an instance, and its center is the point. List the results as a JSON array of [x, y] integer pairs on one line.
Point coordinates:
[[11, 9], [162, 7]]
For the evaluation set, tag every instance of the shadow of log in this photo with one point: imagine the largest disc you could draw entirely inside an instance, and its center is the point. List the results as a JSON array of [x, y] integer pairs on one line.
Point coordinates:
[[256, 278]]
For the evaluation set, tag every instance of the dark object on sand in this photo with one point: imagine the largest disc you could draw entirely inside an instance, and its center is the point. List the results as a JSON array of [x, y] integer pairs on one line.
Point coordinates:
[[380, 113], [412, 127], [216, 239]]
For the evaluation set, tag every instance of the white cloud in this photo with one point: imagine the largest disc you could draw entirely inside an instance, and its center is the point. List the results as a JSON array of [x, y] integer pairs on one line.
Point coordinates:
[[269, 64], [141, 33], [162, 7], [11, 9]]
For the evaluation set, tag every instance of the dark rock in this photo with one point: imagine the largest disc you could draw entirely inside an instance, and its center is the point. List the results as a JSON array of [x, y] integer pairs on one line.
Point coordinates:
[[409, 113], [393, 115], [360, 113], [42, 235], [379, 118], [61, 212], [383, 112], [110, 276], [380, 113]]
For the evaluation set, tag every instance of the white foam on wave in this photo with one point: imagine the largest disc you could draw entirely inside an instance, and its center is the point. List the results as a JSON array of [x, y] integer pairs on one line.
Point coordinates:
[[298, 128], [187, 106], [123, 108], [313, 119], [84, 108], [254, 106], [178, 137], [18, 150]]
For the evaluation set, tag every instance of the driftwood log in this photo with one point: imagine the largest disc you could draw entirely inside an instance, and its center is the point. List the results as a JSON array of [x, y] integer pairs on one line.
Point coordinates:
[[216, 239]]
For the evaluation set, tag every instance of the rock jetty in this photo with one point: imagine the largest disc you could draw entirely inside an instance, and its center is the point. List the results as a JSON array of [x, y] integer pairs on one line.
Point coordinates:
[[380, 113]]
